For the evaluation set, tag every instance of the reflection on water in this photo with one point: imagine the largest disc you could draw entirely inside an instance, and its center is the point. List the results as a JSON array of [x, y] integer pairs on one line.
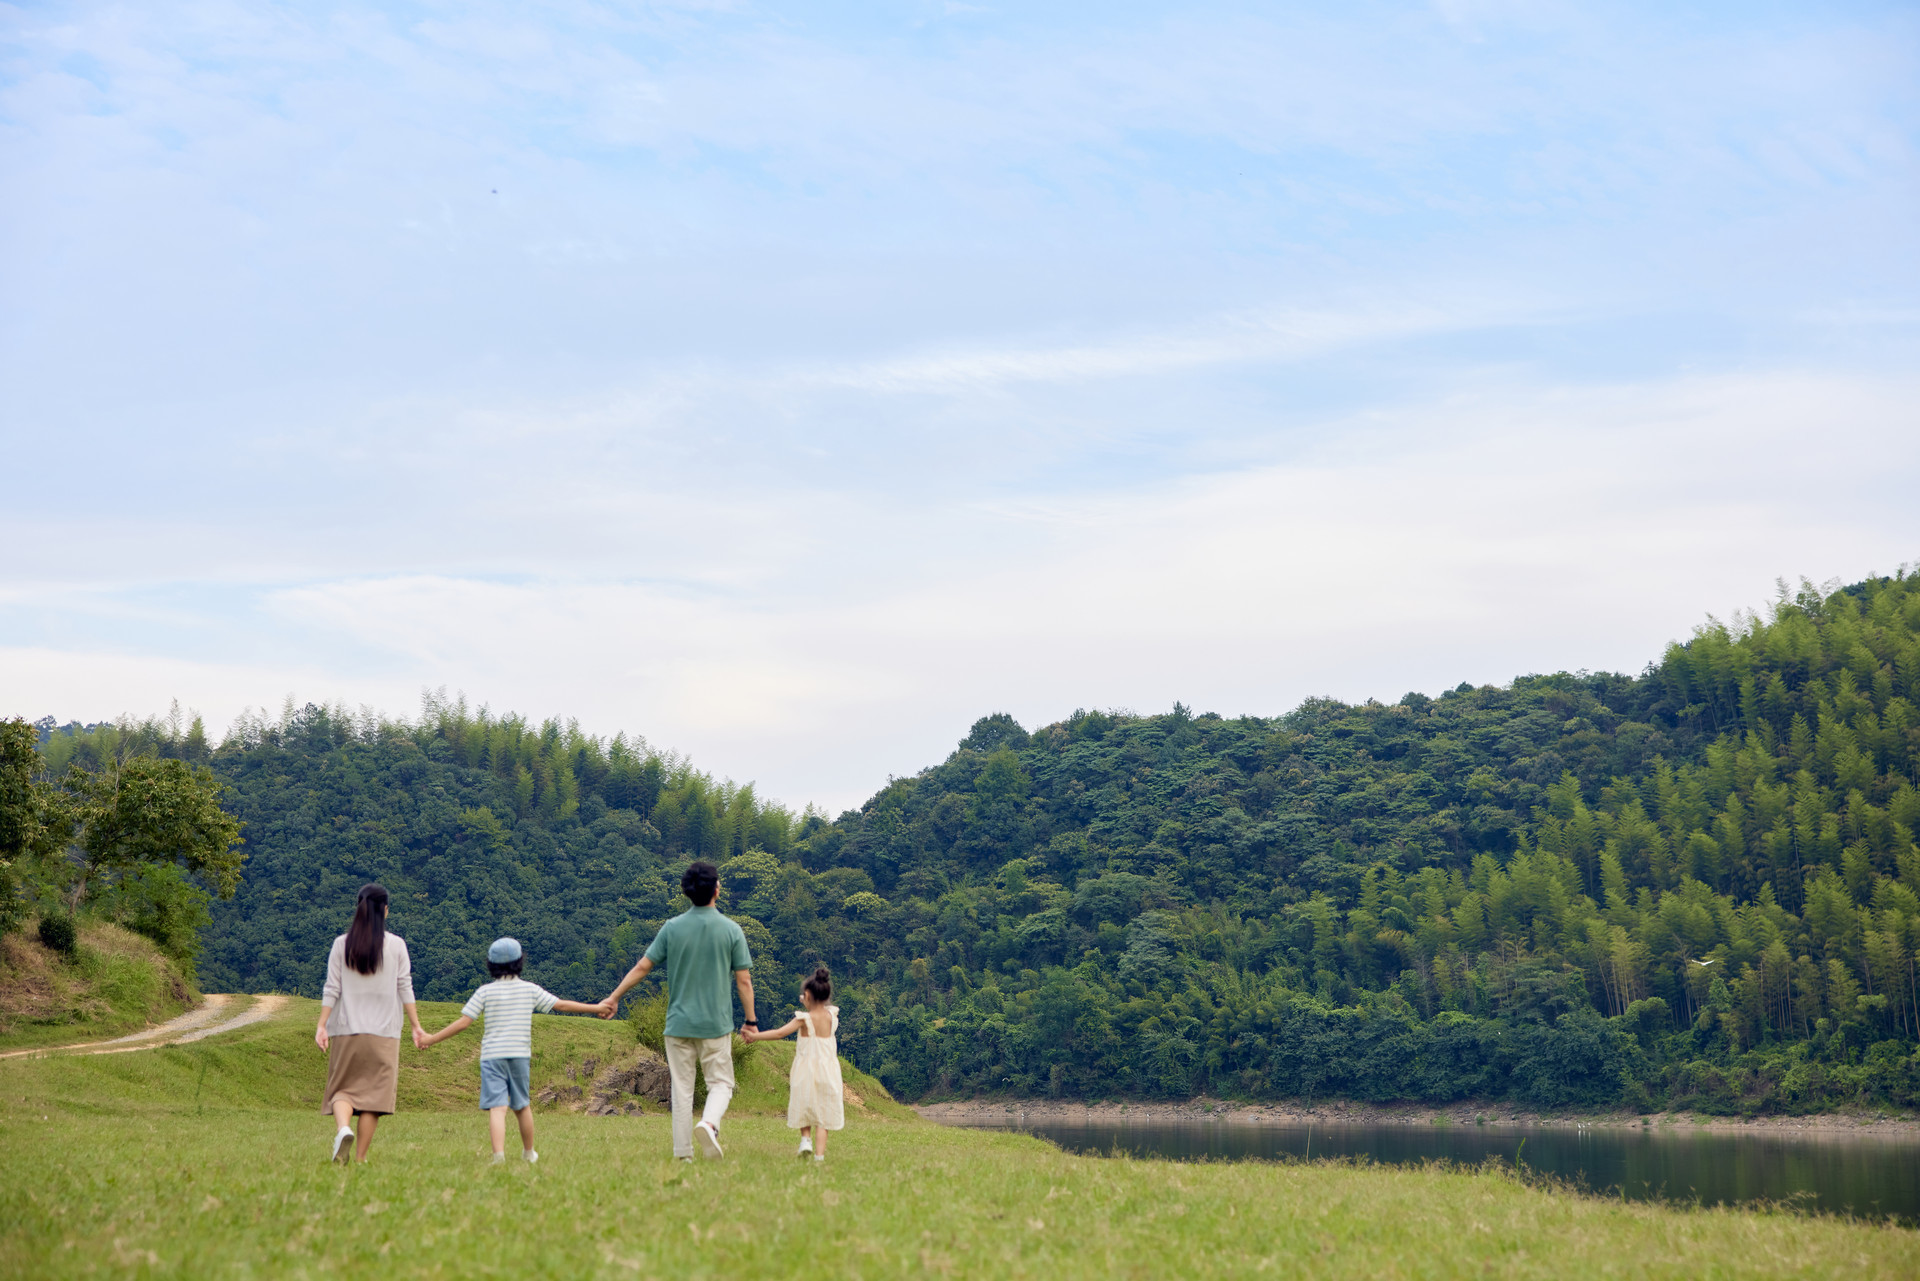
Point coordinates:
[[1874, 1177]]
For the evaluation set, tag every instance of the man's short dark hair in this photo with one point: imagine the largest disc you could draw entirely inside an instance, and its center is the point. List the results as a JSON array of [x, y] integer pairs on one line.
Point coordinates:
[[699, 882]]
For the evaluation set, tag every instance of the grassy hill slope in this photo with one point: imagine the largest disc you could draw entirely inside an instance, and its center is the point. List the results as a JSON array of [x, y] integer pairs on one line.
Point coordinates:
[[276, 1065], [117, 982]]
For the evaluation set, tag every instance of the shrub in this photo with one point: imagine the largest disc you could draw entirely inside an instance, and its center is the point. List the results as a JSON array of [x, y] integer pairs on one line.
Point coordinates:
[[11, 907], [648, 1018], [57, 933], [159, 901]]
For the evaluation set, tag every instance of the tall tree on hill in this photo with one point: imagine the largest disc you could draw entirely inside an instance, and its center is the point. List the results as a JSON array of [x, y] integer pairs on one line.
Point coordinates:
[[144, 816], [123, 839], [26, 835]]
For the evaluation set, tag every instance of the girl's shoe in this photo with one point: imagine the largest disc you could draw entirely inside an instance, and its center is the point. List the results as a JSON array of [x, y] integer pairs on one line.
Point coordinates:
[[343, 1145], [532, 1156], [818, 1157], [806, 1147], [499, 1158]]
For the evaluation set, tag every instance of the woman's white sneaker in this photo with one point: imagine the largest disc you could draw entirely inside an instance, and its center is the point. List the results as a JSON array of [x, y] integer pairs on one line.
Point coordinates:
[[343, 1145]]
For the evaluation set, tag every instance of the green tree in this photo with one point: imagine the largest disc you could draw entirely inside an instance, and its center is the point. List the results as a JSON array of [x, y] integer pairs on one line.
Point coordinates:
[[147, 812], [30, 824]]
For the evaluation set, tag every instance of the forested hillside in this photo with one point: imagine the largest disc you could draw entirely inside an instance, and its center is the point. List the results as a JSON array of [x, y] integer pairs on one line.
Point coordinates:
[[479, 826], [1697, 886]]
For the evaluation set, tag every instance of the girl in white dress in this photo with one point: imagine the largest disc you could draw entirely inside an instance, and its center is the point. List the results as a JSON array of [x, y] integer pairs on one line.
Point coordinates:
[[816, 1099]]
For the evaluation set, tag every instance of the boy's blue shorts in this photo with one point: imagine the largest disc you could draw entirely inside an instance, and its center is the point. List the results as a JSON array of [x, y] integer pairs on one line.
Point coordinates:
[[506, 1083]]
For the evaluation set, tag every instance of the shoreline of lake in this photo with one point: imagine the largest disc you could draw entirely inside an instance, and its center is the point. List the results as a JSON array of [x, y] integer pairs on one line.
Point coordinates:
[[1015, 1112], [1862, 1166]]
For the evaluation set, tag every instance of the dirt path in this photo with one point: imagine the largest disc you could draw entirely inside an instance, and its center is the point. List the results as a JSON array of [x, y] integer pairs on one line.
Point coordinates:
[[191, 1026], [262, 1009]]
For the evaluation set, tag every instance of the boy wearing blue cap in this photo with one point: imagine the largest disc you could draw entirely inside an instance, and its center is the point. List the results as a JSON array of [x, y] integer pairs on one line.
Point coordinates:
[[507, 1005]]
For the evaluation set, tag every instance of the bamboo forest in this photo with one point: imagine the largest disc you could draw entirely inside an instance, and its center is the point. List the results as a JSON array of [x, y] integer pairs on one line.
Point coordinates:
[[1696, 886]]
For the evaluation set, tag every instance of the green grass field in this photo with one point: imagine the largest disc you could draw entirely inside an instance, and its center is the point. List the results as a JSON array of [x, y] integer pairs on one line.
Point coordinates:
[[208, 1161]]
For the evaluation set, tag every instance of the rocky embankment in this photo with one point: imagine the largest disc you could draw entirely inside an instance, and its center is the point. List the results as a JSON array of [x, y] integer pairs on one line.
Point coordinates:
[[615, 1089]]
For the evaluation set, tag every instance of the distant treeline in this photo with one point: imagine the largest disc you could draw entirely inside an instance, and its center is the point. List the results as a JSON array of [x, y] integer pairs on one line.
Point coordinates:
[[479, 825], [1698, 886]]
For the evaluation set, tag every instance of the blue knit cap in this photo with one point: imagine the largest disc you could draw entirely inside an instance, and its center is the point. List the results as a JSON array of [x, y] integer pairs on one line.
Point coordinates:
[[504, 950]]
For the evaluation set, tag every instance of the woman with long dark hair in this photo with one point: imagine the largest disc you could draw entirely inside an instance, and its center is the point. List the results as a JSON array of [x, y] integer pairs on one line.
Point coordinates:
[[369, 987]]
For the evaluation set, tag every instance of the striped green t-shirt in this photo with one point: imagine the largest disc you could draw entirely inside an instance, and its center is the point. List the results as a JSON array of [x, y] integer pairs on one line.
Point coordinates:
[[507, 1007]]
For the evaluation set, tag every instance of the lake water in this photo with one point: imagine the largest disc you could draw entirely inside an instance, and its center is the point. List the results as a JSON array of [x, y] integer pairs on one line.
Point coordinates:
[[1873, 1177]]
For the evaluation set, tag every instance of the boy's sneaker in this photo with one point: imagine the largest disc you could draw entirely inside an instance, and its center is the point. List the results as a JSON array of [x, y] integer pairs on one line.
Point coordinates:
[[707, 1140], [343, 1145], [806, 1147], [532, 1156]]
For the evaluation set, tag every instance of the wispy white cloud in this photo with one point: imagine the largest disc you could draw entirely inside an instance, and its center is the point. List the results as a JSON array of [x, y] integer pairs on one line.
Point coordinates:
[[1498, 532], [795, 387], [1235, 339]]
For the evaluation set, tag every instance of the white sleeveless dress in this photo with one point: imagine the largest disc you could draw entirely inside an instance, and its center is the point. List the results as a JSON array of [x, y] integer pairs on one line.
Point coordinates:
[[816, 1095]]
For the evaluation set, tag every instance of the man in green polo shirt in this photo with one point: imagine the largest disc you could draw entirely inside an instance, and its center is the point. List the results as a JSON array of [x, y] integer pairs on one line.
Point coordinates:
[[698, 949]]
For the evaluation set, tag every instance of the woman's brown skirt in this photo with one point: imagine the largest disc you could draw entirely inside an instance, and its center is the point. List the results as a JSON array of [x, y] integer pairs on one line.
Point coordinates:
[[364, 1070]]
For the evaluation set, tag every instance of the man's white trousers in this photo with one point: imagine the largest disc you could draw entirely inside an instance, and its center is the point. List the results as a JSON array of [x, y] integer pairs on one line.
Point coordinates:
[[714, 1054]]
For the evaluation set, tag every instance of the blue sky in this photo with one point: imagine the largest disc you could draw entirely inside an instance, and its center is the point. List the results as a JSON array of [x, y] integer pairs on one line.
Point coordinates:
[[794, 385]]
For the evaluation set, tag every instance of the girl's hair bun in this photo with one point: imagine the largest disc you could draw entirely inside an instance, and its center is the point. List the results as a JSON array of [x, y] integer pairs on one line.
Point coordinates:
[[820, 986]]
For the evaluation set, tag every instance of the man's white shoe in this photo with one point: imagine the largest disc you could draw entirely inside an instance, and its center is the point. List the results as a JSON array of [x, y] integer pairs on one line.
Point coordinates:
[[532, 1156], [705, 1139], [343, 1145]]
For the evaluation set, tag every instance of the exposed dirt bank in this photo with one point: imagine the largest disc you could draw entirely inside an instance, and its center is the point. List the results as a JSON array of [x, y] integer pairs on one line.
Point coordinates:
[[1342, 1112], [115, 982]]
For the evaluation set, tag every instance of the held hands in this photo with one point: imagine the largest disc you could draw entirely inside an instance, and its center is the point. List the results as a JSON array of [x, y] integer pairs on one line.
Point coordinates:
[[420, 1039], [605, 1009]]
